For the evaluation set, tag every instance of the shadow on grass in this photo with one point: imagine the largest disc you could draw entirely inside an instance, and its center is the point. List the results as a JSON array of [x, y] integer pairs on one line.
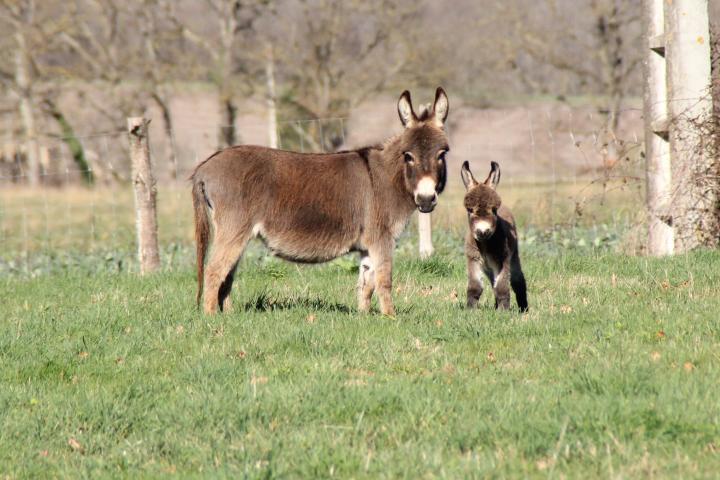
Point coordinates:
[[264, 302]]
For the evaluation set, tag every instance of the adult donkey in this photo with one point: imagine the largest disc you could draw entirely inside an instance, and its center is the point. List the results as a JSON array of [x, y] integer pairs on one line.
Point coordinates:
[[311, 208]]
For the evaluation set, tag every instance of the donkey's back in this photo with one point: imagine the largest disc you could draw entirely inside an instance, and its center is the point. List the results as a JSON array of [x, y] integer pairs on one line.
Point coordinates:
[[306, 207]]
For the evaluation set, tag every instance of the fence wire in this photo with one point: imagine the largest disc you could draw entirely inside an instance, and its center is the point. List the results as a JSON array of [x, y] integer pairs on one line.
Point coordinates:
[[556, 156]]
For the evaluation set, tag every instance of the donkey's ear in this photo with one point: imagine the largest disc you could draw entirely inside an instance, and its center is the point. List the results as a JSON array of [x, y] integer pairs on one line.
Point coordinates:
[[493, 177], [441, 107], [467, 176], [405, 110]]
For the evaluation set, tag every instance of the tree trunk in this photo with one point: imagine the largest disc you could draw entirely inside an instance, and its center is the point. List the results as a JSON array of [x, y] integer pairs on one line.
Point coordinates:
[[271, 100], [694, 182], [228, 109], [169, 132], [71, 141], [145, 195], [228, 115], [23, 79], [657, 150]]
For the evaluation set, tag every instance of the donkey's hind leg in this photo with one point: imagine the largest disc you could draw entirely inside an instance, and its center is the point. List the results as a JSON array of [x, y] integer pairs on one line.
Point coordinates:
[[517, 280], [224, 299], [501, 287], [220, 271], [366, 282]]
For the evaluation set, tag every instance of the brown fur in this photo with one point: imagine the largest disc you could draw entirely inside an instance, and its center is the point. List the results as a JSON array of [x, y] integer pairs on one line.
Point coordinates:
[[202, 233], [491, 245], [315, 207]]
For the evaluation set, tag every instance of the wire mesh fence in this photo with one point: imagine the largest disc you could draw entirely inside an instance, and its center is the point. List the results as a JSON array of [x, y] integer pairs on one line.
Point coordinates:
[[560, 166]]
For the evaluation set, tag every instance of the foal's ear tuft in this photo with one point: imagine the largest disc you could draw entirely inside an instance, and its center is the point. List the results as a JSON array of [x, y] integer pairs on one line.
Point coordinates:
[[493, 177], [405, 110], [467, 176], [441, 107]]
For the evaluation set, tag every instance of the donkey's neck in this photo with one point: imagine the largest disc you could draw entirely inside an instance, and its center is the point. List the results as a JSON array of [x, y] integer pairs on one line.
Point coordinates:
[[400, 202]]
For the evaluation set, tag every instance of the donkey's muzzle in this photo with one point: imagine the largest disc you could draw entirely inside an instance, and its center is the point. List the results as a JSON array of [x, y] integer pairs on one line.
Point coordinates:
[[481, 235], [426, 203]]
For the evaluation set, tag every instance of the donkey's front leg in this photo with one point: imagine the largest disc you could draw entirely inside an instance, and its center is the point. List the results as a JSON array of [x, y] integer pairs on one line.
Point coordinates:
[[366, 282], [474, 286], [501, 287], [381, 258]]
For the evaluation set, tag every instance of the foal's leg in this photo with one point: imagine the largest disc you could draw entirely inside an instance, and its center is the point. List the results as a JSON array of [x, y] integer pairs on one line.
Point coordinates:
[[225, 253], [366, 282], [517, 280], [501, 287], [381, 258], [474, 287]]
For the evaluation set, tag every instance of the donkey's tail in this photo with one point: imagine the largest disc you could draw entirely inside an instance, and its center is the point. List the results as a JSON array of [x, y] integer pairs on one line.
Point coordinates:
[[202, 232]]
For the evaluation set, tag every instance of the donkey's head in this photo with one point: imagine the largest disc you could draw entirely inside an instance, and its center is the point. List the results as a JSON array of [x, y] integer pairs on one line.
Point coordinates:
[[423, 146], [481, 201]]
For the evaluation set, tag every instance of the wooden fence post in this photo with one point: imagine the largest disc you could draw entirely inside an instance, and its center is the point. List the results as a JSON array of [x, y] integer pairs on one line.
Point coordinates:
[[694, 184], [425, 235], [657, 149], [145, 195]]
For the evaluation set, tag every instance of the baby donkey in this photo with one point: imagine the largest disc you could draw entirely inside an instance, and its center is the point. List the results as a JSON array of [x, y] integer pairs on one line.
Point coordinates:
[[491, 245]]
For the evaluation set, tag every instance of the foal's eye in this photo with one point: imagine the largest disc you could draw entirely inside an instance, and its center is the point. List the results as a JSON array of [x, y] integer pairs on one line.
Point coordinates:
[[407, 156], [494, 211], [441, 155]]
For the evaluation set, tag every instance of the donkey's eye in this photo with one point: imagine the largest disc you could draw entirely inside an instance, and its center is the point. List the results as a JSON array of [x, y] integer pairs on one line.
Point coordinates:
[[494, 211], [407, 156], [441, 155]]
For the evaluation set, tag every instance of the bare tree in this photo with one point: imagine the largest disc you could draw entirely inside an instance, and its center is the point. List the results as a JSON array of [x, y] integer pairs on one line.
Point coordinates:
[[271, 98], [104, 50], [336, 54], [234, 24], [35, 51], [21, 18], [594, 44]]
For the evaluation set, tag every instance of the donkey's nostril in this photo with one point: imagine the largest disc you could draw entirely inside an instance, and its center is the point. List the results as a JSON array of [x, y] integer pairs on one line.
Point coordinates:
[[426, 203], [426, 199], [482, 232]]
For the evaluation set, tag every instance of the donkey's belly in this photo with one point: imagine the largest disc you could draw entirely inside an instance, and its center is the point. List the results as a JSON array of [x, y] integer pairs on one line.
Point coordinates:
[[307, 248]]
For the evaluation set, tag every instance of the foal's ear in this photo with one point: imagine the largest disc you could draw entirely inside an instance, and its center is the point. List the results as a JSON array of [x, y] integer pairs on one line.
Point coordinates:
[[405, 110], [493, 177], [467, 176], [441, 107]]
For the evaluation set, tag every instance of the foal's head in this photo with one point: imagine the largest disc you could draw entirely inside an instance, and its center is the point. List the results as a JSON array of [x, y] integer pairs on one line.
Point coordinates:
[[481, 201], [424, 146]]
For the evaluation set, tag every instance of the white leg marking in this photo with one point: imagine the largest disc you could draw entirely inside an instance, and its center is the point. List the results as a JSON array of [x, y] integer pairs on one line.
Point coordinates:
[[366, 270], [475, 270]]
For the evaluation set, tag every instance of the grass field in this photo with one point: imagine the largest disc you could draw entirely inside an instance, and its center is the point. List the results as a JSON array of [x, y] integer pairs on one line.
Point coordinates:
[[613, 373]]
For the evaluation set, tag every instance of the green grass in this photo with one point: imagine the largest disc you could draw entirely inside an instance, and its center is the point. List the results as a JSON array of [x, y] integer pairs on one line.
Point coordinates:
[[613, 373]]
